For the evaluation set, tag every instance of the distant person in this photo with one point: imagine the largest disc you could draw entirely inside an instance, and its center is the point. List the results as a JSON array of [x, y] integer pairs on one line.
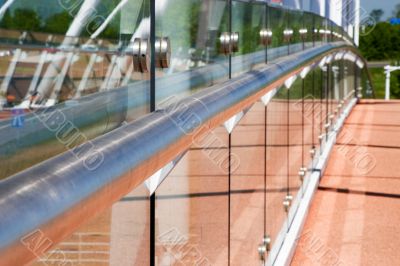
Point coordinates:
[[33, 99], [10, 101]]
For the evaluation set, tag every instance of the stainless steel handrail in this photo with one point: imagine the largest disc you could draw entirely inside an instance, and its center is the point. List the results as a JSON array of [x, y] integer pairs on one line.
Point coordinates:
[[60, 194], [109, 109]]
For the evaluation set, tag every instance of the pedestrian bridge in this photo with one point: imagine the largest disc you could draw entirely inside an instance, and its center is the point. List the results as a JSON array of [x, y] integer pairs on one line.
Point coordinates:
[[232, 147]]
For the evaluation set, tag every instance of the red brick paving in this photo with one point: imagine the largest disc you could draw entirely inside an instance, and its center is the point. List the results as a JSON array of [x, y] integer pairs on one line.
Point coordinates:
[[354, 217]]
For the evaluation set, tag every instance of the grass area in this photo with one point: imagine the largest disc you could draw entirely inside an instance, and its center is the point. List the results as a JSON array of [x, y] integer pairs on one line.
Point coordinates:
[[379, 78]]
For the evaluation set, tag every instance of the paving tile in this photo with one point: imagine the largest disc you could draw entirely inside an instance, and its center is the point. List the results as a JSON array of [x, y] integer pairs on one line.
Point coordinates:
[[354, 217]]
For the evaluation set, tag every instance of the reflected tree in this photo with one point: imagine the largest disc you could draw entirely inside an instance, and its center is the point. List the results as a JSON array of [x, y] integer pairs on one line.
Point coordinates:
[[58, 23], [396, 12], [22, 19], [383, 43], [377, 14]]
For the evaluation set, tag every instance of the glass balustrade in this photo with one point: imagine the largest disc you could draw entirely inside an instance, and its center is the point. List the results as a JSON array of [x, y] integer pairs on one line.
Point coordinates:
[[237, 185], [73, 71], [117, 236], [276, 165], [92, 61]]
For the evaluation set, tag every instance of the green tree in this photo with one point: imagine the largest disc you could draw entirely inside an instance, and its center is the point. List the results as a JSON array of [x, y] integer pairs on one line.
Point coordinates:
[[25, 19], [396, 11], [383, 43], [7, 20], [58, 23], [377, 14], [102, 11], [395, 84]]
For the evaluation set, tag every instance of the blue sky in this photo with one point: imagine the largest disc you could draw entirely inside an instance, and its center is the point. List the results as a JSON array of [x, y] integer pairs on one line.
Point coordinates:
[[385, 5]]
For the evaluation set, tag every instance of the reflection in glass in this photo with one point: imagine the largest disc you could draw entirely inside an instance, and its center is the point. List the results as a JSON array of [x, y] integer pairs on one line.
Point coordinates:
[[248, 19], [53, 79], [194, 29], [276, 163], [192, 206], [247, 187], [118, 236], [277, 23], [295, 141], [308, 121]]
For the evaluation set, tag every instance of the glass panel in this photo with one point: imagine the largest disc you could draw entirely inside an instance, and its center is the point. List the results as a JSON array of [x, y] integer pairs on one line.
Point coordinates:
[[69, 67], [295, 142], [63, 62], [319, 30], [367, 91], [287, 42], [49, 20], [330, 101], [341, 86], [49, 85], [350, 82], [346, 85], [277, 23], [295, 23], [248, 18], [247, 187], [88, 74], [277, 164], [318, 107], [335, 90], [118, 236], [194, 29], [19, 71], [308, 125], [38, 138], [324, 107], [308, 24], [192, 205], [44, 16]]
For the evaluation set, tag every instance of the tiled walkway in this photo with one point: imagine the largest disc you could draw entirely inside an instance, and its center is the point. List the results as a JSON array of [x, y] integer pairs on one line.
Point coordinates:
[[355, 215]]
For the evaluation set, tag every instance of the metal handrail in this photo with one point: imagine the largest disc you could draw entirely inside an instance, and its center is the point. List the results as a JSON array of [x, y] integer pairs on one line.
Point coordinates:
[[107, 109], [62, 193]]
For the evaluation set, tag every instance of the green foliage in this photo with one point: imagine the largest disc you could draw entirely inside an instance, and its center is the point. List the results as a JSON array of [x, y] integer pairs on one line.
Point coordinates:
[[377, 14], [383, 43], [6, 22], [248, 32], [112, 31], [22, 19], [395, 85], [30, 19], [177, 23], [58, 23], [379, 78]]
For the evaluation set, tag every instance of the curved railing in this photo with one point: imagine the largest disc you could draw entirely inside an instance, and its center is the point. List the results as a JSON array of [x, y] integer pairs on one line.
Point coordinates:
[[60, 194], [204, 159], [108, 110], [90, 79]]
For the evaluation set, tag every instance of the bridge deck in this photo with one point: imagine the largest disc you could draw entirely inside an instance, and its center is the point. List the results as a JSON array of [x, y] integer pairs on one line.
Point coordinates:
[[354, 217]]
